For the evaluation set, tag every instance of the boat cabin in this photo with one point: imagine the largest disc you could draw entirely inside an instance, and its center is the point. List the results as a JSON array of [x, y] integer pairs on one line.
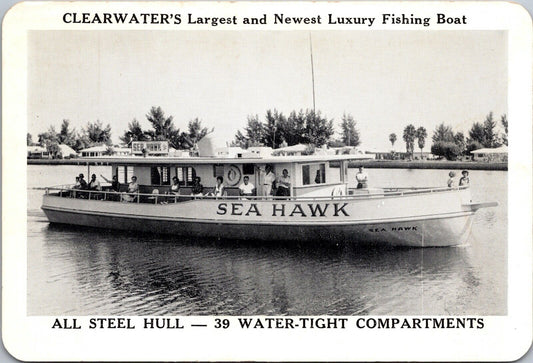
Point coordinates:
[[314, 175]]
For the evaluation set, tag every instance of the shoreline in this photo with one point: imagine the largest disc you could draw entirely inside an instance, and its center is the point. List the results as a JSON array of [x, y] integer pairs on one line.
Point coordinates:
[[371, 164]]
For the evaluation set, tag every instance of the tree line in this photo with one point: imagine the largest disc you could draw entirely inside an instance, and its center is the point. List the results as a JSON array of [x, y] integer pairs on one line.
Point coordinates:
[[276, 130], [299, 127], [451, 145], [95, 133]]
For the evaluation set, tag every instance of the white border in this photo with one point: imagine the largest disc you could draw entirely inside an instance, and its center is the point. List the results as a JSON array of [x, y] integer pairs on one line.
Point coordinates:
[[30, 338]]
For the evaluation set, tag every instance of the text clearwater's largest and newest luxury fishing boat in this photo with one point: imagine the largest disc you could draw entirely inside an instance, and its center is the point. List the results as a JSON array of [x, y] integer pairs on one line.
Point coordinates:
[[321, 205]]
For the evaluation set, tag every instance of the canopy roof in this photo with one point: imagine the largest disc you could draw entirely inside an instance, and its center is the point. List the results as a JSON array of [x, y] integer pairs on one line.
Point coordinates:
[[96, 148], [137, 160]]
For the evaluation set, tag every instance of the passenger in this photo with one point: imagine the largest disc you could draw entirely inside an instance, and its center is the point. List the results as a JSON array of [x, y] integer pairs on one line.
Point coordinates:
[[83, 183], [133, 189], [362, 178], [284, 184], [317, 177], [77, 185], [451, 181], [465, 180], [219, 191], [268, 182], [83, 186], [175, 187], [94, 184], [115, 185], [197, 187], [246, 189]]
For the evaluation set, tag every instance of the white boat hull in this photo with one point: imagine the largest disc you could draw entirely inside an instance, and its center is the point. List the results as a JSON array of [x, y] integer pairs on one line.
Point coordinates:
[[420, 220]]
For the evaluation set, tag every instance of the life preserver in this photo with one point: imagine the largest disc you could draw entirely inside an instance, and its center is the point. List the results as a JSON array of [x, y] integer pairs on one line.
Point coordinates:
[[234, 175], [337, 192]]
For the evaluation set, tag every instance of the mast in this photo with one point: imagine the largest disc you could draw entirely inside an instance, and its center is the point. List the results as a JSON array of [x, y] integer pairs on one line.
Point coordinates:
[[312, 70]]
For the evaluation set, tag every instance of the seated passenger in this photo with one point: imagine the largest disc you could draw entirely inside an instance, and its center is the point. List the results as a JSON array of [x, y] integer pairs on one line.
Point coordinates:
[[362, 178], [197, 187], [246, 188], [94, 184], [83, 183], [77, 185], [218, 190], [133, 189], [284, 185], [175, 187], [82, 186], [115, 185]]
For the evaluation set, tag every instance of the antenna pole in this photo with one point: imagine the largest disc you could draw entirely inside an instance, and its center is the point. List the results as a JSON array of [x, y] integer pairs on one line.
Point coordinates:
[[312, 71]]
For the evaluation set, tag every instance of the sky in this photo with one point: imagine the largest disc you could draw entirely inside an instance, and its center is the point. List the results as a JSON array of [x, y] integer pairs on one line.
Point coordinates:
[[384, 79]]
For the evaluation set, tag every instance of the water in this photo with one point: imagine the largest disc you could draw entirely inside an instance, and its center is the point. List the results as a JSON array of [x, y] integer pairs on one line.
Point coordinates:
[[75, 271]]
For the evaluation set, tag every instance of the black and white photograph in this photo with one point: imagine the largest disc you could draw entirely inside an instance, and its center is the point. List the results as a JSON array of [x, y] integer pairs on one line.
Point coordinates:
[[225, 170]]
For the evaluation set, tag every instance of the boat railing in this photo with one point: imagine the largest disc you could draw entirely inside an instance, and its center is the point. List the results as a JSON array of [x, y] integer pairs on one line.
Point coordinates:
[[155, 198]]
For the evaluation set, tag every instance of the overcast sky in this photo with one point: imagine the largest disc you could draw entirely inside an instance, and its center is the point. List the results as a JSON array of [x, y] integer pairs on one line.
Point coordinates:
[[385, 79]]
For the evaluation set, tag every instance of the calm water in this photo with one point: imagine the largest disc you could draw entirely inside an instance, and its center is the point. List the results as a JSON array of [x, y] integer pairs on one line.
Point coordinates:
[[73, 271]]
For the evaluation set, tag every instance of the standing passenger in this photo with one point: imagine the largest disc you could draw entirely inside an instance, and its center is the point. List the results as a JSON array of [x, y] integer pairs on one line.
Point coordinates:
[[270, 178], [451, 181], [465, 180]]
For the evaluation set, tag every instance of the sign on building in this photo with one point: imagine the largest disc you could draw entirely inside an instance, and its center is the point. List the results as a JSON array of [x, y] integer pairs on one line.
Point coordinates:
[[152, 148]]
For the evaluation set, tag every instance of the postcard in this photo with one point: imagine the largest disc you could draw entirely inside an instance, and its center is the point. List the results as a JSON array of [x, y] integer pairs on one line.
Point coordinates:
[[275, 181]]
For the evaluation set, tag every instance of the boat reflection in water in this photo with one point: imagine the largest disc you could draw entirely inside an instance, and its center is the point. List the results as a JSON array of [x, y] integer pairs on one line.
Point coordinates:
[[120, 273]]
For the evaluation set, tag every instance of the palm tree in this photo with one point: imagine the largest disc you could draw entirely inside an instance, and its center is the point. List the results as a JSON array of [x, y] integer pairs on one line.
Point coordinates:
[[421, 135], [392, 139], [409, 135]]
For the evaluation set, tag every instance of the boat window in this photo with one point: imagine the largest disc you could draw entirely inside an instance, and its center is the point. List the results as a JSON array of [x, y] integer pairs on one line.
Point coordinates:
[[186, 174], [124, 172], [218, 170], [160, 175], [313, 174], [248, 169]]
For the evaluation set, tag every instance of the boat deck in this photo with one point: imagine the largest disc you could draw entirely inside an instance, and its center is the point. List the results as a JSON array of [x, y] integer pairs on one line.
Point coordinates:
[[67, 191]]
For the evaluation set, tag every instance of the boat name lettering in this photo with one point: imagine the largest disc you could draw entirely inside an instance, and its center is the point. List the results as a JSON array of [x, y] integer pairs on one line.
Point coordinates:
[[282, 209], [394, 229]]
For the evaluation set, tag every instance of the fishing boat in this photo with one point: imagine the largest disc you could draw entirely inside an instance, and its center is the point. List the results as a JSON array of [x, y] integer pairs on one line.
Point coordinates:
[[322, 205]]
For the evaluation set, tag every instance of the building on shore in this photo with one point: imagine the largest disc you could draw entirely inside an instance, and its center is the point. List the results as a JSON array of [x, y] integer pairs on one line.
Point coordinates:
[[104, 150], [66, 152], [494, 155], [37, 152], [94, 151], [121, 151]]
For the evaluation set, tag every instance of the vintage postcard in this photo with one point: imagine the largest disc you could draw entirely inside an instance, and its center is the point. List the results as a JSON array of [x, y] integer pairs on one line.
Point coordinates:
[[278, 181]]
